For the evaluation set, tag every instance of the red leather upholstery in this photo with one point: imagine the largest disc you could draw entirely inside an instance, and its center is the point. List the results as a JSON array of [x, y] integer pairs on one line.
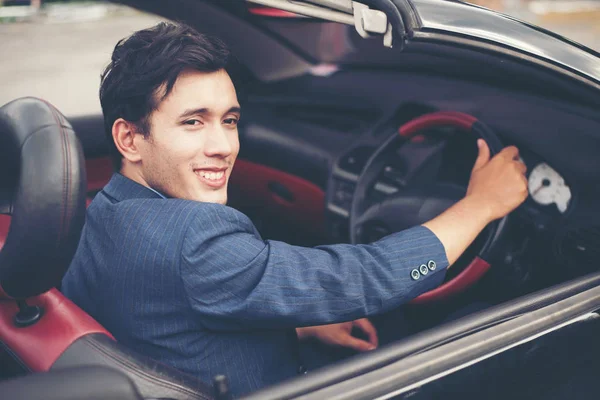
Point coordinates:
[[441, 118], [4, 227], [38, 346], [98, 172], [272, 12]]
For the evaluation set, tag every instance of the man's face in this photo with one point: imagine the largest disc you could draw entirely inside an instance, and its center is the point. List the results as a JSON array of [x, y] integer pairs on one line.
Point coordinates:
[[193, 140]]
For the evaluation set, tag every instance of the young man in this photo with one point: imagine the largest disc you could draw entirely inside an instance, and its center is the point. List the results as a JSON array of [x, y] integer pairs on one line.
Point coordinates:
[[175, 274]]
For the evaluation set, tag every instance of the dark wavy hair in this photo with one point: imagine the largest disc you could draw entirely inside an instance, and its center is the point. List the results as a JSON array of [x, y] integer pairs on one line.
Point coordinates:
[[143, 71]]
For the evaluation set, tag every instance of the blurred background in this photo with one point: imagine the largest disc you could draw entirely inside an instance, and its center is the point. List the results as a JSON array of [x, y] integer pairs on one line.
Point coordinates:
[[578, 20], [57, 49]]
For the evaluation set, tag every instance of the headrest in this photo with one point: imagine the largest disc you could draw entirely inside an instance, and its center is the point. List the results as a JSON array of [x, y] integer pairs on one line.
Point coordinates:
[[42, 186]]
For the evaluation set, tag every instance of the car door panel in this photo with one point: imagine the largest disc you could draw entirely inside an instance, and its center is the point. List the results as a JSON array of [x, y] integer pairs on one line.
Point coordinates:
[[284, 197]]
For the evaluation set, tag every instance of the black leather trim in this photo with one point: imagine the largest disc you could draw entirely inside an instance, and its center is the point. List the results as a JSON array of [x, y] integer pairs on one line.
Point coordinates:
[[42, 174], [90, 383], [90, 131], [152, 379], [14, 356], [11, 364]]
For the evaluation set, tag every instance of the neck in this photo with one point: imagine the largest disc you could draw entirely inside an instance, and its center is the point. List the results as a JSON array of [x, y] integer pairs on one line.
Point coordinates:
[[129, 171]]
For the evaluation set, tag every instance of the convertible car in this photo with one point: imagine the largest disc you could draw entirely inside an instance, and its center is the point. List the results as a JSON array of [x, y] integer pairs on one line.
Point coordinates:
[[359, 119]]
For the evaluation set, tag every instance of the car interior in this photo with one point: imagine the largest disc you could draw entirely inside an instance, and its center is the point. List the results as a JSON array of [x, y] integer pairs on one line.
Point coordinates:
[[342, 141]]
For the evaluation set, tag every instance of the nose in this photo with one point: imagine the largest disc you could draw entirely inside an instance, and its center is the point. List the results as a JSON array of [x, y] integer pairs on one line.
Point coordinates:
[[218, 143]]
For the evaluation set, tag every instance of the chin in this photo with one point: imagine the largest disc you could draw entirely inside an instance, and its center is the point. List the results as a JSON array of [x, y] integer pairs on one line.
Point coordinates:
[[217, 198]]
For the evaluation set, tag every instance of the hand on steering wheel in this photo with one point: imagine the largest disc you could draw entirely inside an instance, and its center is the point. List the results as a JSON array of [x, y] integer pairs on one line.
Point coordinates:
[[491, 180], [412, 206]]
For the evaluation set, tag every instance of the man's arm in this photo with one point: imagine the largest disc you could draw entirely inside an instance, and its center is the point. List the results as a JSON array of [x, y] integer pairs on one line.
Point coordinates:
[[235, 280], [456, 228]]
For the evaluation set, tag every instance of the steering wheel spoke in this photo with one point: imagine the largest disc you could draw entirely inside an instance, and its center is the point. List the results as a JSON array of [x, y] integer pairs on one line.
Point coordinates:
[[412, 162], [408, 208]]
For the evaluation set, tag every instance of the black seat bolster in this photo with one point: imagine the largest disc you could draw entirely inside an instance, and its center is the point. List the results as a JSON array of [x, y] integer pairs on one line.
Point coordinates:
[[152, 379], [90, 383]]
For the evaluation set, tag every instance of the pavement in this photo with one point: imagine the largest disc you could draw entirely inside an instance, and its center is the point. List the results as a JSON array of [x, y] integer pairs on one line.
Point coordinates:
[[61, 60], [58, 54]]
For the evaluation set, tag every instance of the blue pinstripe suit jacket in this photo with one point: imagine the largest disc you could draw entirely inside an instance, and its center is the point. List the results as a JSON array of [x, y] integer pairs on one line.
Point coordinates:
[[193, 284]]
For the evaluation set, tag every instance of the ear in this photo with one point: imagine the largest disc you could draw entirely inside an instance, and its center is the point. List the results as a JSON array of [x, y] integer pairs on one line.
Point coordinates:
[[127, 140]]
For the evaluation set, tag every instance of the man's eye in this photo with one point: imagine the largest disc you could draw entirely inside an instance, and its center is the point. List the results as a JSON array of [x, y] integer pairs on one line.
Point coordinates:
[[193, 122], [231, 121]]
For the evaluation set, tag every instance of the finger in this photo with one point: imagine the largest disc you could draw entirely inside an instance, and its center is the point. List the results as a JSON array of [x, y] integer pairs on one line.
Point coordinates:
[[521, 167], [357, 344], [484, 154], [525, 183], [367, 327], [510, 153]]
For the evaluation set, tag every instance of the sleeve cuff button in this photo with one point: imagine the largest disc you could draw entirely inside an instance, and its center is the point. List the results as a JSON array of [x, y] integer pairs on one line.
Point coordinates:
[[415, 274], [423, 269], [431, 265]]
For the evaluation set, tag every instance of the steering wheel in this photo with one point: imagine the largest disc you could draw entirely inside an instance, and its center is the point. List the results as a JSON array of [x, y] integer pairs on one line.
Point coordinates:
[[413, 204]]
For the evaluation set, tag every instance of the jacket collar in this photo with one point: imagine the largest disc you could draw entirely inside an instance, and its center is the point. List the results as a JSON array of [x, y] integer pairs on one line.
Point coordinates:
[[122, 188]]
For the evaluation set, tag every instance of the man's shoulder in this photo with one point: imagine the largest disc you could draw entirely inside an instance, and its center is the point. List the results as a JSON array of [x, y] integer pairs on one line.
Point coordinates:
[[103, 203], [177, 212]]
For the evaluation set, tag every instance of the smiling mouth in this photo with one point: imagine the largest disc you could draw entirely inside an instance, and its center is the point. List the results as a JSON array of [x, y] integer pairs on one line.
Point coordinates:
[[214, 178]]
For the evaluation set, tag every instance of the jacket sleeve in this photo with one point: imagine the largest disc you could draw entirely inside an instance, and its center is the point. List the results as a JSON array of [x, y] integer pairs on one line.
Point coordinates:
[[234, 280]]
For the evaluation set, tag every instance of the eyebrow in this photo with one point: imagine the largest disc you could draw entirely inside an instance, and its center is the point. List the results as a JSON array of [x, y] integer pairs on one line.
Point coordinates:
[[196, 111]]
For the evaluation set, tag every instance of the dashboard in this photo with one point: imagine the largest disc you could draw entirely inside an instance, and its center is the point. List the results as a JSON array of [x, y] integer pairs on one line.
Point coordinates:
[[449, 155], [324, 130]]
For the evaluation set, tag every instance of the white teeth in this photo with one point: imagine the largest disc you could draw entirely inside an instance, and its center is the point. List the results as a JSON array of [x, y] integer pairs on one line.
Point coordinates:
[[213, 176]]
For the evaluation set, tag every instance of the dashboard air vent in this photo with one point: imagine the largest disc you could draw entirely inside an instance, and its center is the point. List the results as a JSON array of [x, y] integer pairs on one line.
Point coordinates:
[[355, 160]]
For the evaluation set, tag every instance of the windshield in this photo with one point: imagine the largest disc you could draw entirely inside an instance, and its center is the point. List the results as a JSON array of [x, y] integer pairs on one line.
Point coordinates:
[[329, 42]]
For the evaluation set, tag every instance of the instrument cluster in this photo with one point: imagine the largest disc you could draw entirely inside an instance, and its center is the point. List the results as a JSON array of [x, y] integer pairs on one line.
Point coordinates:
[[547, 187]]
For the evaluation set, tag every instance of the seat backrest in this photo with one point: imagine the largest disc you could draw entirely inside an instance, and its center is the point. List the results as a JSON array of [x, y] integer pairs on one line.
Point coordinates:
[[43, 188], [42, 197]]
